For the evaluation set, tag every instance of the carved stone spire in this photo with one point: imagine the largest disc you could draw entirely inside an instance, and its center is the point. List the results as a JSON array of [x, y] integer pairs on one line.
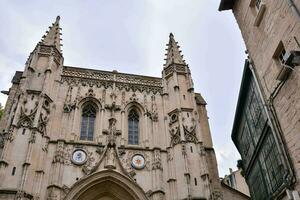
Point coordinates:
[[52, 37], [173, 53]]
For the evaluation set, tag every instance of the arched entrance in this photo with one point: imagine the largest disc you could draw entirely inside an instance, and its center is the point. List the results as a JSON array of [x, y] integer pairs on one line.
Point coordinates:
[[106, 185]]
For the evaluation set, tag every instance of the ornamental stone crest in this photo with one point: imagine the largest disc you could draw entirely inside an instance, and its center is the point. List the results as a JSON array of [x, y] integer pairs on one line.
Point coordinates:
[[26, 121], [190, 134]]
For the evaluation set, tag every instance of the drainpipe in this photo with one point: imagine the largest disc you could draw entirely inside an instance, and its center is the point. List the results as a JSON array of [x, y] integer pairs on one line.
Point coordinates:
[[294, 8]]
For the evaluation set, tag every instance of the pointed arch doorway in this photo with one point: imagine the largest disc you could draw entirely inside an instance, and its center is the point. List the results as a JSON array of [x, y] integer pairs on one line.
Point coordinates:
[[106, 185]]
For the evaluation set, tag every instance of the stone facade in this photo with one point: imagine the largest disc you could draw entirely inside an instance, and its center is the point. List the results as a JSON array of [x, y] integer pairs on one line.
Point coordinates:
[[271, 30], [45, 156]]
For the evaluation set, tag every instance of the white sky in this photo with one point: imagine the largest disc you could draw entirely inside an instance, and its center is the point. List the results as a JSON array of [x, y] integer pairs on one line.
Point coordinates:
[[130, 36]]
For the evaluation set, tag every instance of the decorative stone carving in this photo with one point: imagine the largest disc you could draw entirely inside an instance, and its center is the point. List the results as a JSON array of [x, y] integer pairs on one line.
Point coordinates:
[[113, 108], [174, 68], [103, 97], [32, 137], [9, 136], [26, 121], [127, 157], [42, 124], [87, 167], [153, 114], [100, 150], [134, 98], [169, 154], [68, 105], [90, 93], [110, 158], [156, 163], [106, 80], [46, 145], [145, 102], [175, 136], [112, 132], [62, 154], [190, 134], [123, 102]]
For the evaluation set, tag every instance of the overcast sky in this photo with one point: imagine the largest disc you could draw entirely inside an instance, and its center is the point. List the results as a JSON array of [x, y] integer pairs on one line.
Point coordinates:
[[130, 36]]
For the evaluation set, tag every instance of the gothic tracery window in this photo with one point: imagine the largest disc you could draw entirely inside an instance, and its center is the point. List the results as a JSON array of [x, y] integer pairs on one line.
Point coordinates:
[[88, 122], [133, 127]]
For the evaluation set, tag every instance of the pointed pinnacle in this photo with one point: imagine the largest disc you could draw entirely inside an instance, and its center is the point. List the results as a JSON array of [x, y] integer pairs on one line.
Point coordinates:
[[52, 36], [173, 55]]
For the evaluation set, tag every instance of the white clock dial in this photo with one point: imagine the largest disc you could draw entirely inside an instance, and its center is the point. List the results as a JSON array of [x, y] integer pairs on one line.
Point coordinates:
[[138, 161], [79, 157]]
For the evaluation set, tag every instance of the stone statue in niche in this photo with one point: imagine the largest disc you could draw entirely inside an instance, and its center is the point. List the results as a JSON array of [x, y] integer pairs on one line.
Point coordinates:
[[110, 158]]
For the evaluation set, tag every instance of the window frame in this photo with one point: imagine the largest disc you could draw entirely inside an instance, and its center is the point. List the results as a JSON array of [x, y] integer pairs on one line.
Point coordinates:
[[133, 135], [88, 136], [274, 167]]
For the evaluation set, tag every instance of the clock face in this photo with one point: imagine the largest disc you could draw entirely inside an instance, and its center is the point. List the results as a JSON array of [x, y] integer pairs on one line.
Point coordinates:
[[79, 157], [138, 161]]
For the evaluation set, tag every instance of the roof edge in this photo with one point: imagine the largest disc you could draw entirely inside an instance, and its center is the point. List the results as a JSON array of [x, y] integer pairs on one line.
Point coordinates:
[[226, 5], [240, 102]]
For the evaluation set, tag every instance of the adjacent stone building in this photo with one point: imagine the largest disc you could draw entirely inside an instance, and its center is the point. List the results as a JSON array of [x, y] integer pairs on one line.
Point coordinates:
[[236, 180], [266, 129], [74, 133]]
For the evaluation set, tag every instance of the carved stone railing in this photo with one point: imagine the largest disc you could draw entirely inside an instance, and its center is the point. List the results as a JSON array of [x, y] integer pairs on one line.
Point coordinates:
[[106, 79]]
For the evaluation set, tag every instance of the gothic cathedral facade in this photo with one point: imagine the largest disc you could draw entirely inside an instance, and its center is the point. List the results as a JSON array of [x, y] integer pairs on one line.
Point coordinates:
[[74, 133]]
